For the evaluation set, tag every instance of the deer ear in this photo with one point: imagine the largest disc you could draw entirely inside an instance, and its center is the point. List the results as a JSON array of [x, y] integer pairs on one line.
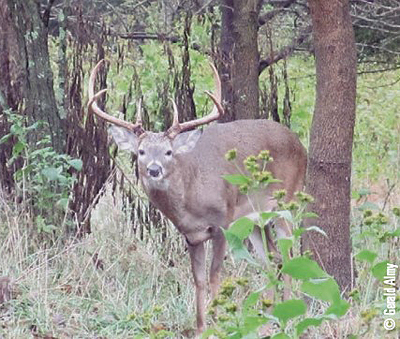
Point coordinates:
[[124, 138], [185, 142]]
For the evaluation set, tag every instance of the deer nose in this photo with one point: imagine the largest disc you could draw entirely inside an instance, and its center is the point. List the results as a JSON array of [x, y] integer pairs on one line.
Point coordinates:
[[154, 170]]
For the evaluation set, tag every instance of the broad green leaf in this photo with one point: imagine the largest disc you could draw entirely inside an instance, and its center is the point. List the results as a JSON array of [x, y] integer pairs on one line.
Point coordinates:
[[325, 289], [379, 270], [239, 250], [284, 245], [18, 148], [267, 216], [366, 255], [76, 163], [338, 308], [298, 232], [251, 300], [237, 179], [304, 324], [289, 309], [242, 228], [303, 268], [251, 323], [50, 173]]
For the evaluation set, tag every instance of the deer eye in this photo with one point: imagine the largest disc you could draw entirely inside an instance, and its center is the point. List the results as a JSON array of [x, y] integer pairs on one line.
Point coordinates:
[[141, 152], [168, 153]]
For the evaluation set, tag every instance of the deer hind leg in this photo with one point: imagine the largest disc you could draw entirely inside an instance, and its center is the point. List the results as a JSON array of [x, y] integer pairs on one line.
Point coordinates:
[[219, 249], [198, 260]]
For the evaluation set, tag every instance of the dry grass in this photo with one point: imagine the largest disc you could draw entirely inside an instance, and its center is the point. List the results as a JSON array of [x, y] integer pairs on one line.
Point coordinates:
[[112, 285]]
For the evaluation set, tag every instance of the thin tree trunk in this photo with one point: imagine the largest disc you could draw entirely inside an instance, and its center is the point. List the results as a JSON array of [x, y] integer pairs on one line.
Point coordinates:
[[330, 153]]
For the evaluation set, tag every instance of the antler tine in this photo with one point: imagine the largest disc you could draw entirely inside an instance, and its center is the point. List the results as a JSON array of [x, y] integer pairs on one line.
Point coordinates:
[[175, 120], [94, 107], [139, 113], [215, 114]]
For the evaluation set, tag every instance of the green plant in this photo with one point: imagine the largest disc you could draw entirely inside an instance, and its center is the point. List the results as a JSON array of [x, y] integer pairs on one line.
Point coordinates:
[[244, 320], [45, 178]]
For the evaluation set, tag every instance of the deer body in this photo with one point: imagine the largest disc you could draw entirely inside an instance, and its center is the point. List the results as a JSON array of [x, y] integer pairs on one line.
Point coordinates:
[[181, 173]]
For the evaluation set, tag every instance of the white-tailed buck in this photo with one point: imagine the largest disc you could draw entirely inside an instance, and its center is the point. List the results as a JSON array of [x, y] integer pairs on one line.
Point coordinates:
[[181, 172]]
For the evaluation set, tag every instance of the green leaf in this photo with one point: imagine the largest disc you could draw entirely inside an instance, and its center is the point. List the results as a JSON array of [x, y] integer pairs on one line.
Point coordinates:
[[304, 324], [237, 179], [303, 268], [18, 148], [50, 173], [325, 289], [310, 215], [267, 216], [242, 228], [76, 164], [251, 300], [338, 308], [289, 309], [5, 138], [63, 203], [379, 270], [284, 245], [251, 323], [395, 233], [239, 250], [209, 332], [366, 255]]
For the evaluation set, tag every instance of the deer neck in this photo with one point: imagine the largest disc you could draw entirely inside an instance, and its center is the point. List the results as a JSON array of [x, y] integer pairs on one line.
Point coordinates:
[[170, 195]]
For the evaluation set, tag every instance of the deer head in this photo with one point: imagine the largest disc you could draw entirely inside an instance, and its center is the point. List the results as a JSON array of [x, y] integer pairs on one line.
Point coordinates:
[[156, 152]]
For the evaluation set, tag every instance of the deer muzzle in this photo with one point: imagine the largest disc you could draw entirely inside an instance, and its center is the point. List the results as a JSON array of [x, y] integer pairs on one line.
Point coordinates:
[[155, 171]]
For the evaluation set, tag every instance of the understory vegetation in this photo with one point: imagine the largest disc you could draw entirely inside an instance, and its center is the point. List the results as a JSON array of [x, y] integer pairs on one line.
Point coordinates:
[[121, 282]]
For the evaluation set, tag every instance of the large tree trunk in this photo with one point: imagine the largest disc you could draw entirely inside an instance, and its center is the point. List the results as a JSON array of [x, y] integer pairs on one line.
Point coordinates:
[[239, 49], [330, 153], [38, 89]]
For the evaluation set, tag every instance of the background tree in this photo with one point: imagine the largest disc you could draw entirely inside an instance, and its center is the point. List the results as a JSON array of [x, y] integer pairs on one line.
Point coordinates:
[[240, 58], [331, 139], [31, 27]]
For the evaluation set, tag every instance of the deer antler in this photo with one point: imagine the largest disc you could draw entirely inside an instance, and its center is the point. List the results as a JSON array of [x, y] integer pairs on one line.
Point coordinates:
[[215, 114], [94, 107]]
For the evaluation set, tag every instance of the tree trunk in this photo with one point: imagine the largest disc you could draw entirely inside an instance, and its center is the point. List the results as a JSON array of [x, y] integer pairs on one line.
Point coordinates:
[[330, 153], [38, 83], [239, 49]]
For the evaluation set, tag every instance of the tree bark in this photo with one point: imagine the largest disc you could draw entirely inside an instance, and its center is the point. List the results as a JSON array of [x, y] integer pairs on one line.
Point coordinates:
[[330, 152], [38, 79], [239, 49]]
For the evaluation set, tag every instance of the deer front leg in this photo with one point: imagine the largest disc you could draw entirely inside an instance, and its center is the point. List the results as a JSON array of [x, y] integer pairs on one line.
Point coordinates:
[[198, 259], [219, 248]]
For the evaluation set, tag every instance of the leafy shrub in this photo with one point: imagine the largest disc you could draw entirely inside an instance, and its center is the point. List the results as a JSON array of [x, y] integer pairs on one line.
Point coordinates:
[[45, 179], [245, 320]]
